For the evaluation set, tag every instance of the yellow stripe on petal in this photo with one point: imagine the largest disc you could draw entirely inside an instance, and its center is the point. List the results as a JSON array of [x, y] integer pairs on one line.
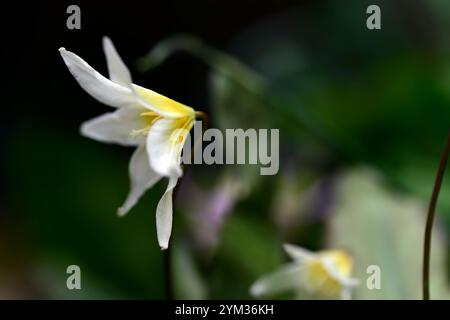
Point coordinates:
[[165, 142], [163, 104]]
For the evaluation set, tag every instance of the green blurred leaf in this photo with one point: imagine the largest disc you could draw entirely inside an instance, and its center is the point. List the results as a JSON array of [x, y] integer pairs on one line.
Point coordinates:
[[248, 250], [67, 189], [188, 281], [381, 227]]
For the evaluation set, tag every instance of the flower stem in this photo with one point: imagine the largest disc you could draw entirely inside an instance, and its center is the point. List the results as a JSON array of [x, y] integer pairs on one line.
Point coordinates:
[[430, 219], [167, 254], [168, 273], [204, 117]]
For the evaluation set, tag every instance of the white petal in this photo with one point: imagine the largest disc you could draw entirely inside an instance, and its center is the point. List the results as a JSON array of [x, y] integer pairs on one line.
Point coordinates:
[[99, 87], [164, 213], [286, 278], [142, 178], [337, 274], [116, 127], [346, 292], [297, 253], [118, 71], [350, 282], [164, 154]]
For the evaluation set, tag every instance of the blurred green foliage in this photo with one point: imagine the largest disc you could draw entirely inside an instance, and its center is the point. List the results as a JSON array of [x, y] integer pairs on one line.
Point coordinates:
[[381, 227]]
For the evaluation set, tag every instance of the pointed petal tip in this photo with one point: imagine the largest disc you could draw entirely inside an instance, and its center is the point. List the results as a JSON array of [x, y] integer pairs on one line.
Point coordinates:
[[106, 40], [255, 290], [352, 282], [163, 248], [121, 212], [63, 52], [85, 131], [82, 129], [287, 246]]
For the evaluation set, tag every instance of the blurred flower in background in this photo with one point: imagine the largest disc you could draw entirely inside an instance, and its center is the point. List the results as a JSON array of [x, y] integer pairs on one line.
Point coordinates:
[[322, 275]]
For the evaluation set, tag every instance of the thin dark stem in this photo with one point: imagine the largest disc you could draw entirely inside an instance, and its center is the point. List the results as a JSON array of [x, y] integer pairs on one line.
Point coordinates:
[[167, 254], [430, 219], [168, 273], [204, 117]]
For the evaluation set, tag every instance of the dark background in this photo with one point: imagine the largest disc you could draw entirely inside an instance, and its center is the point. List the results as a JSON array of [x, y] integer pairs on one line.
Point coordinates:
[[343, 98]]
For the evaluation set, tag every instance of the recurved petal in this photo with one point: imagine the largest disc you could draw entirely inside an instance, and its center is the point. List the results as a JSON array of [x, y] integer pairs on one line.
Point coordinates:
[[165, 142], [297, 253], [99, 87], [164, 212], [116, 127], [142, 178], [118, 71], [286, 278]]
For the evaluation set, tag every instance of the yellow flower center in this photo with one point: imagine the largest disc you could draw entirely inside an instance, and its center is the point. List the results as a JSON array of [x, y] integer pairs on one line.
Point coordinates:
[[323, 274], [184, 115], [149, 119], [179, 130], [182, 128]]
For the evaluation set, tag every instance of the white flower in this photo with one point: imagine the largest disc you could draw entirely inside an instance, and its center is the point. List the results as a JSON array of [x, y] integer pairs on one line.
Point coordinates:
[[153, 123], [325, 274]]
